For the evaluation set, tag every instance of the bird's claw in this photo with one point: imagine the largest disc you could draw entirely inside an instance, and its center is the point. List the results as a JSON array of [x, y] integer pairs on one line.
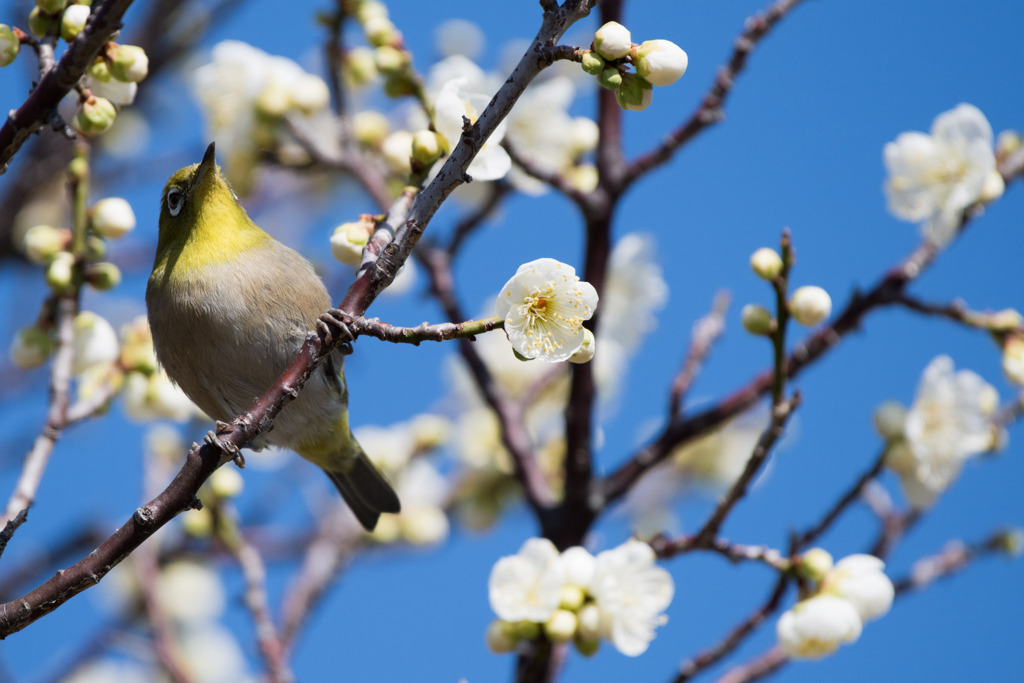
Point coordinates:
[[332, 320], [224, 446]]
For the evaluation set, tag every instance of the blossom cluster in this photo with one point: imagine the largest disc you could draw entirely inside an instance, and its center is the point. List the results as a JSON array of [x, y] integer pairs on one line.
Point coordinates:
[[619, 595], [849, 594], [949, 422], [655, 63]]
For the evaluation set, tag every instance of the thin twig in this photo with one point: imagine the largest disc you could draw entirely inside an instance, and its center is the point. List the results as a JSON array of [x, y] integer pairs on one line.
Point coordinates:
[[10, 527], [667, 548], [373, 327]]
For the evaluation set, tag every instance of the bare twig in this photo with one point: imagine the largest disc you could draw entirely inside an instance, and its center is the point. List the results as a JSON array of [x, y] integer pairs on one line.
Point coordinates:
[[373, 327], [10, 527], [667, 548]]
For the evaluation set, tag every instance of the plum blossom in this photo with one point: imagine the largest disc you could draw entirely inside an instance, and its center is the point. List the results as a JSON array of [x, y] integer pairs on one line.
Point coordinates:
[[528, 585], [933, 178], [817, 627], [861, 580]]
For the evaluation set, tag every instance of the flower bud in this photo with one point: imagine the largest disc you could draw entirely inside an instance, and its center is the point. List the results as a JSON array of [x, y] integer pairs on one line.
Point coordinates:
[[526, 630], [95, 247], [634, 94], [1013, 359], [38, 22], [1011, 542], [59, 272], [42, 242], [128, 63], [993, 188], [226, 482], [347, 242], [73, 21], [429, 432], [890, 418], [810, 305], [427, 147], [380, 31], [500, 637], [103, 275], [589, 622], [660, 62], [587, 647], [309, 94], [51, 6], [572, 597], [369, 128], [592, 63], [814, 564], [370, 9], [95, 342], [390, 60], [99, 70], [612, 41], [766, 262], [273, 102], [30, 348], [397, 149], [399, 84], [583, 177], [9, 45], [1005, 320], [112, 218], [585, 353], [900, 458], [1007, 142], [359, 66], [560, 626], [197, 523], [583, 135], [610, 78], [756, 319], [96, 115]]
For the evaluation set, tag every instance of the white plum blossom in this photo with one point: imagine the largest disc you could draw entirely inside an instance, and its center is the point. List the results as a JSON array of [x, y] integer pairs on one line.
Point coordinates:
[[112, 218], [528, 585], [817, 627], [156, 397], [544, 306], [612, 40], [632, 592], [634, 291], [933, 178], [579, 566], [456, 101], [423, 492], [810, 305], [948, 423], [861, 580]]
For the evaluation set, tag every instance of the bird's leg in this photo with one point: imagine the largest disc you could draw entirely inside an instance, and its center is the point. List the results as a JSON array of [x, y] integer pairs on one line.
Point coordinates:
[[224, 446], [332, 320]]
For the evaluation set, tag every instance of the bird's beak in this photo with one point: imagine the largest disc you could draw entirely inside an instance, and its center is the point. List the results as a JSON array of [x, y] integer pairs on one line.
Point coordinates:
[[209, 163]]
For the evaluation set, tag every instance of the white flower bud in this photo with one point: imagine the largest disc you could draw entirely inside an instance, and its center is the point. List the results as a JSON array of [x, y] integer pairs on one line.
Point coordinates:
[[197, 523], [572, 597], [585, 353], [397, 149], [756, 319], [112, 218], [612, 41], [1013, 359], [43, 242], [660, 62], [9, 45], [993, 188], [226, 482], [73, 21], [817, 627], [589, 622], [890, 418], [309, 94], [815, 563], [427, 147], [370, 9], [390, 60], [360, 66], [766, 262], [423, 524], [30, 348], [584, 177], [500, 637], [128, 63], [1004, 321], [634, 94], [95, 342], [369, 128], [561, 626], [59, 271], [97, 113], [810, 305], [348, 241], [429, 431], [1007, 142], [380, 31]]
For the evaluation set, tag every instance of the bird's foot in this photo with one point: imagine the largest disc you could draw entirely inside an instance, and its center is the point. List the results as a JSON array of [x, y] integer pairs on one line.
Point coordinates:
[[224, 446], [334, 321]]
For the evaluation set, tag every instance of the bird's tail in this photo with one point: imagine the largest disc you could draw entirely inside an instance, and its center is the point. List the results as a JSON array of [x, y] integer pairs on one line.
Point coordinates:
[[365, 490]]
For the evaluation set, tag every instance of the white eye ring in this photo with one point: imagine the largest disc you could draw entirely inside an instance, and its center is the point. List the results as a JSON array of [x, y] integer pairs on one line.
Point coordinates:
[[174, 202]]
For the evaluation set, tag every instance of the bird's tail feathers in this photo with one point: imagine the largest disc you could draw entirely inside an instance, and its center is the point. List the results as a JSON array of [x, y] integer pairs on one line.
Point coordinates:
[[365, 490]]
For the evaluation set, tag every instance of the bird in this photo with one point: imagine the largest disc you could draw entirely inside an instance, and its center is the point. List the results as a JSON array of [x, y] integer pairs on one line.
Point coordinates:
[[229, 307]]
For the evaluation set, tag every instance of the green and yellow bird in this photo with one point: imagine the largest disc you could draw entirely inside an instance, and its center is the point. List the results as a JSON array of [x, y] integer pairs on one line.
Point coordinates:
[[229, 307]]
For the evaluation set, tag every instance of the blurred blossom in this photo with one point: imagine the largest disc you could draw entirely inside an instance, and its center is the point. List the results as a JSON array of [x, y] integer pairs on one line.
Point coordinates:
[[213, 654], [95, 342], [634, 291], [460, 67], [165, 444], [459, 37], [528, 585], [817, 627], [190, 592], [861, 580], [458, 99], [108, 669], [154, 397], [933, 178], [949, 422], [390, 448], [424, 493]]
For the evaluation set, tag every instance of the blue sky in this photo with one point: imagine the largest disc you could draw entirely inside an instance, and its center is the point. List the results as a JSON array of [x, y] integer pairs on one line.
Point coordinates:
[[801, 147]]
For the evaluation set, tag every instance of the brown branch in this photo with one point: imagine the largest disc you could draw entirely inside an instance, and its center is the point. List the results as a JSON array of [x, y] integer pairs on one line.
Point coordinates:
[[667, 548], [372, 327], [706, 332], [712, 108], [10, 527], [41, 104]]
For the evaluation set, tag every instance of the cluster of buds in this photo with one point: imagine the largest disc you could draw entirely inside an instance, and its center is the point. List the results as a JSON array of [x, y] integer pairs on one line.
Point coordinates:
[[809, 305], [655, 63], [386, 54]]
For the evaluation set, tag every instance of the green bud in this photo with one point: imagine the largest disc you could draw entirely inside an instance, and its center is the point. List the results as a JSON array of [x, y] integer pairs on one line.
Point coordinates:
[[398, 85], [59, 272], [561, 626], [51, 6], [369, 128], [128, 63], [1011, 542], [30, 348], [99, 70], [634, 94], [592, 63], [360, 66], [766, 263], [500, 637], [587, 647], [95, 248], [526, 630], [78, 168], [427, 147], [390, 60], [572, 597], [9, 45], [72, 21], [96, 116], [610, 78], [380, 31], [756, 319], [103, 275], [814, 564], [38, 22]]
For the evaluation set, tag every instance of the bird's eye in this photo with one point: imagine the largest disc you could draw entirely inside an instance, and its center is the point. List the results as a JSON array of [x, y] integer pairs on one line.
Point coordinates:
[[174, 201]]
